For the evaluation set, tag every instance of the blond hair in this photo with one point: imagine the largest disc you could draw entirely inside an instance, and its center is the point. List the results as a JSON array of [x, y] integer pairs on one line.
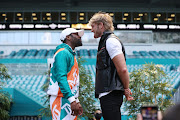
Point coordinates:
[[103, 17]]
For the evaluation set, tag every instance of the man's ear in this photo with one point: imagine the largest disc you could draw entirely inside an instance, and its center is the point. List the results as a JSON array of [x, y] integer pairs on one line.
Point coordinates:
[[68, 37], [101, 25]]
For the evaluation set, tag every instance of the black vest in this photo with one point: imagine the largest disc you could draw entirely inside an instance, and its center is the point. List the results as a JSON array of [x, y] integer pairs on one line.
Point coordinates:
[[107, 78]]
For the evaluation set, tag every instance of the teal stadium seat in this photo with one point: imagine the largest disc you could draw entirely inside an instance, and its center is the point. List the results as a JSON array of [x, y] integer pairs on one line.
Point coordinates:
[[12, 54], [1, 52], [29, 85], [50, 53], [137, 54], [174, 53], [179, 53], [31, 54], [83, 53], [145, 54], [93, 53], [166, 54], [155, 54], [20, 54], [41, 54]]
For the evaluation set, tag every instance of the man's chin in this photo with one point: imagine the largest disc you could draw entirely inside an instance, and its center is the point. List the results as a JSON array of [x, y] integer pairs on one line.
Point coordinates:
[[95, 36], [79, 45]]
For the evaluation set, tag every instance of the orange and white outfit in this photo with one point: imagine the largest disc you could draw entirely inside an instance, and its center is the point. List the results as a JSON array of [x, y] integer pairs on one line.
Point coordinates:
[[64, 83]]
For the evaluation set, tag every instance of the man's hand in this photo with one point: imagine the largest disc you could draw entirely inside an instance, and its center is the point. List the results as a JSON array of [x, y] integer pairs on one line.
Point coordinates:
[[80, 109], [127, 93], [74, 108]]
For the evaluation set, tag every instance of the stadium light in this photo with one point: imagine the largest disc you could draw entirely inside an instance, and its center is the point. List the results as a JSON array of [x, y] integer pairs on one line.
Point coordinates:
[[169, 19], [81, 14], [4, 15], [158, 15], [20, 18], [33, 14], [81, 18], [111, 14], [155, 19], [48, 14], [140, 14], [138, 18], [172, 15], [49, 18], [34, 18], [126, 14], [18, 14], [63, 18], [124, 18], [63, 14]]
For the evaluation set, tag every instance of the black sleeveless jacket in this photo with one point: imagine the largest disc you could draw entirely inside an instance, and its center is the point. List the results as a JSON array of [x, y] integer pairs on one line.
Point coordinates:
[[107, 78]]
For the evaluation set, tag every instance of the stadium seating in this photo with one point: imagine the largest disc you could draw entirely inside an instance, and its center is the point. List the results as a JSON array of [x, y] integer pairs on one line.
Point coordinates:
[[166, 54], [31, 53], [156, 54], [29, 85], [137, 54], [50, 53], [1, 52], [91, 53], [174, 53], [145, 54], [21, 53], [174, 77], [12, 54], [84, 53], [41, 54]]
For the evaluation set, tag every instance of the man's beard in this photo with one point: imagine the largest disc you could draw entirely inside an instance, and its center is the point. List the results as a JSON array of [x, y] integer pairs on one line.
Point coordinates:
[[79, 43]]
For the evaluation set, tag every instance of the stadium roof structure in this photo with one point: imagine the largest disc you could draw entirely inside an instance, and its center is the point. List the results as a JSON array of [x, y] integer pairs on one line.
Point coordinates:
[[90, 5]]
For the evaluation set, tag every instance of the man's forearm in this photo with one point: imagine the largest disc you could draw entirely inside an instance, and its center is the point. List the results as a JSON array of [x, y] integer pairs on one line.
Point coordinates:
[[124, 76]]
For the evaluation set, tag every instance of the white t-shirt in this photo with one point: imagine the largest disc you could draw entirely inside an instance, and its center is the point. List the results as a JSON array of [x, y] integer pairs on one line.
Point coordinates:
[[114, 48]]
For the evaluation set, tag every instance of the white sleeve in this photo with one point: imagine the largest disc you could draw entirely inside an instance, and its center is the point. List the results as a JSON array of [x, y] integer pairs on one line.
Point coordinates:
[[113, 47]]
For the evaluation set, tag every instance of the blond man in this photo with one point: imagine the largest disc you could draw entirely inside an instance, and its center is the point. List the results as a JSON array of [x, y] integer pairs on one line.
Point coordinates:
[[112, 79]]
